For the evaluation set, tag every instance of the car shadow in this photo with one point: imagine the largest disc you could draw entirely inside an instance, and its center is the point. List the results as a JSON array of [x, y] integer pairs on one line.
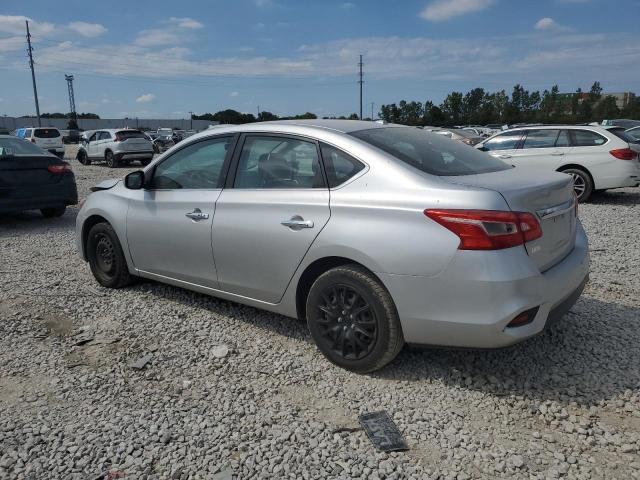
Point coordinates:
[[585, 357], [616, 197], [29, 220]]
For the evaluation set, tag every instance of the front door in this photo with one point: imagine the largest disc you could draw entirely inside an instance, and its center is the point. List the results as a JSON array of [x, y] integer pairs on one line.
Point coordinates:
[[169, 221], [92, 146], [266, 222]]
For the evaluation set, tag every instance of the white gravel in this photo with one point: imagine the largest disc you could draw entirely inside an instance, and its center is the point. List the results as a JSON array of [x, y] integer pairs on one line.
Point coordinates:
[[231, 391]]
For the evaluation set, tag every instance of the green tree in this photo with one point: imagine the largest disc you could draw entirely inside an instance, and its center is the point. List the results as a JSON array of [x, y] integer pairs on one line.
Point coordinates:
[[452, 108]]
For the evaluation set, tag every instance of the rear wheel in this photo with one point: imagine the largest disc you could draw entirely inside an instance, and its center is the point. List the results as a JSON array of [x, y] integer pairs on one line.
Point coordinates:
[[582, 183], [110, 159], [353, 320], [53, 211], [106, 259]]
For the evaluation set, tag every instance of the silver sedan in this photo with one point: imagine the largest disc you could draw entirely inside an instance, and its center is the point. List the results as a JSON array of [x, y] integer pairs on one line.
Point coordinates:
[[375, 235]]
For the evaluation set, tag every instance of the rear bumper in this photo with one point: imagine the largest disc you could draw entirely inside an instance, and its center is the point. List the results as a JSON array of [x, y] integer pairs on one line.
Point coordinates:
[[133, 155], [44, 196], [471, 303], [616, 174]]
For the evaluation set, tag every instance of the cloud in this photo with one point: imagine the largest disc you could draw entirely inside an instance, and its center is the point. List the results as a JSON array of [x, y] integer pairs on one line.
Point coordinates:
[[87, 29], [234, 94], [156, 37], [548, 23], [15, 24], [348, 5], [264, 3], [147, 97], [439, 10], [186, 22]]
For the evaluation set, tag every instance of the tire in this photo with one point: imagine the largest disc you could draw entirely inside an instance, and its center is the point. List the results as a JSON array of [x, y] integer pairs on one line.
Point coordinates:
[[351, 298], [106, 259], [582, 183], [53, 211], [110, 159], [83, 159]]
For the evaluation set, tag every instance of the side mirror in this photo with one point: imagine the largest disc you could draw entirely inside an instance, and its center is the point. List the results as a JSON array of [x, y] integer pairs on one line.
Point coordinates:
[[135, 180]]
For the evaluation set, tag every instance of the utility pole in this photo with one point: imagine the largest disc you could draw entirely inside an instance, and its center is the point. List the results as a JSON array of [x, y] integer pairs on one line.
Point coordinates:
[[258, 112], [372, 111], [72, 100], [33, 74], [361, 81], [191, 117]]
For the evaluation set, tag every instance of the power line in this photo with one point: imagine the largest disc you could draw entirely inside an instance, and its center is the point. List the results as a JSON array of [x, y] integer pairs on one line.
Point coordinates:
[[33, 73]]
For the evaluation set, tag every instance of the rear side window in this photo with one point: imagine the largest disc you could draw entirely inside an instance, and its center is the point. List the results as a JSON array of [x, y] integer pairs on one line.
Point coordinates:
[[587, 138], [127, 134], [46, 133], [429, 152], [504, 141], [339, 166], [541, 138], [278, 162]]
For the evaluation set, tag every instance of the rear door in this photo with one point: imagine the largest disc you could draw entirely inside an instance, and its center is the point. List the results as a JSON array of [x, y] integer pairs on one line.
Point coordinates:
[[133, 141], [277, 204], [92, 146], [589, 147], [47, 138], [543, 148]]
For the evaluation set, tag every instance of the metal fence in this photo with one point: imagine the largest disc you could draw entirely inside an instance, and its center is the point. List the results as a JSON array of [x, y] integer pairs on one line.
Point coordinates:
[[13, 123]]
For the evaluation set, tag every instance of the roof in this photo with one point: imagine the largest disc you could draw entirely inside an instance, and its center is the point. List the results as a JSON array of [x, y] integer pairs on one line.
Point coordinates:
[[344, 126]]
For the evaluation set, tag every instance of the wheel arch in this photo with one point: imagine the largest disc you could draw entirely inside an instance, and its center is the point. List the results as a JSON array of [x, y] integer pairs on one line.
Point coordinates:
[[313, 271], [86, 227], [578, 167]]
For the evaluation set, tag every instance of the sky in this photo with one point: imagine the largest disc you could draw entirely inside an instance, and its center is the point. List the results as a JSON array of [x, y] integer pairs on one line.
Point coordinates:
[[159, 59]]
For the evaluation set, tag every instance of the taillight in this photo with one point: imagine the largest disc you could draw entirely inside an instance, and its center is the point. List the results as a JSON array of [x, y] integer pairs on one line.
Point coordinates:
[[488, 229], [624, 153], [63, 168]]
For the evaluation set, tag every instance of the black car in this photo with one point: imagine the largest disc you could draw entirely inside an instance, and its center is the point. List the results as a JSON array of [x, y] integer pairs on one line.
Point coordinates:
[[73, 136], [33, 179]]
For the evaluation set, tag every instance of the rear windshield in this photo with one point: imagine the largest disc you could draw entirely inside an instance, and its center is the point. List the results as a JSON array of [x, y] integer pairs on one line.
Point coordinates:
[[16, 146], [127, 134], [430, 152], [46, 133]]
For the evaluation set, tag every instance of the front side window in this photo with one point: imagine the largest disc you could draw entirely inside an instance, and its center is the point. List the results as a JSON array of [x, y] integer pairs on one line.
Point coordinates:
[[197, 166], [339, 166], [429, 152], [278, 162], [587, 138], [504, 141], [94, 137]]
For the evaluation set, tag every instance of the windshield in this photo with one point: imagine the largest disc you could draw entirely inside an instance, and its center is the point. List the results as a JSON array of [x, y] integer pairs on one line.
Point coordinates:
[[620, 133], [17, 146], [46, 133], [430, 153]]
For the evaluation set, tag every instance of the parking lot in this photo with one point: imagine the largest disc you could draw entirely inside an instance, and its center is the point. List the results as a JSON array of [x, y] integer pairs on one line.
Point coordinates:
[[266, 403]]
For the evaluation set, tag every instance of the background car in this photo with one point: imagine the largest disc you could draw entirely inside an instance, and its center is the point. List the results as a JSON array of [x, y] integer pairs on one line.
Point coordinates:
[[465, 136], [634, 133], [162, 142], [48, 138], [72, 136], [596, 158], [116, 147], [622, 122], [33, 179], [374, 234]]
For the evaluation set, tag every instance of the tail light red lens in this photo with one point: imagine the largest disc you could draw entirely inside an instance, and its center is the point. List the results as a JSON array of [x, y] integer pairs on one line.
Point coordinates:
[[488, 229], [63, 168], [624, 154]]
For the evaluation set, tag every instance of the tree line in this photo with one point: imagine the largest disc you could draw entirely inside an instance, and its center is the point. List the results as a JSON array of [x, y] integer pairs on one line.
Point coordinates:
[[479, 107]]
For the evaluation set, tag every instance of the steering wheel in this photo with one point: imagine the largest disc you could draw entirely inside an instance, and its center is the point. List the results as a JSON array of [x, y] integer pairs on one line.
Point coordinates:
[[199, 178]]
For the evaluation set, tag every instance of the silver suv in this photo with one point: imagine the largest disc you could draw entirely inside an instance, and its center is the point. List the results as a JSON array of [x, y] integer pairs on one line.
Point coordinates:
[[116, 147]]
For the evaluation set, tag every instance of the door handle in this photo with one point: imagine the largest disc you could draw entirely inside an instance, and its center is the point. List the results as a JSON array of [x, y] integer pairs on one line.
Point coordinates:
[[297, 223], [557, 154], [197, 215], [504, 156]]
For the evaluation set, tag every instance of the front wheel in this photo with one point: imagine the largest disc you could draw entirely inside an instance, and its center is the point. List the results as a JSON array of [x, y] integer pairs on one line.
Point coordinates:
[[83, 159], [106, 259], [353, 320], [110, 159], [582, 183]]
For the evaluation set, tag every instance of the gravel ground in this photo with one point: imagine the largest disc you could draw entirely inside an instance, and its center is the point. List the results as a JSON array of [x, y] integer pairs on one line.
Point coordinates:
[[565, 404]]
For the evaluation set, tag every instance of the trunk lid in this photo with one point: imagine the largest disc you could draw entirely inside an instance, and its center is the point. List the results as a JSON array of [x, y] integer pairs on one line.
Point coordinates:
[[19, 171], [547, 195], [136, 144]]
